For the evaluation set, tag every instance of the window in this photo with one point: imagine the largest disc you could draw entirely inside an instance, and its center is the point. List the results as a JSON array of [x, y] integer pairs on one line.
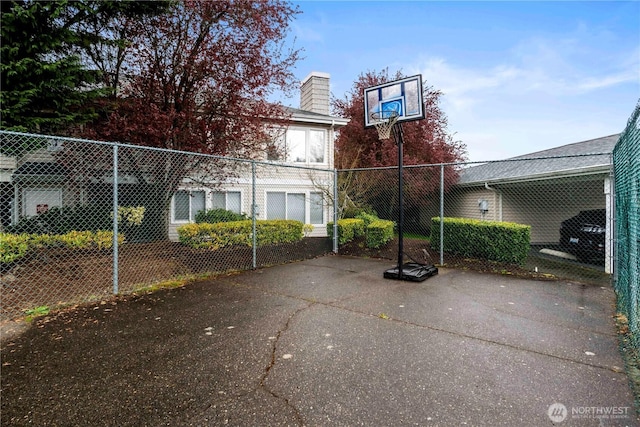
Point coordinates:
[[37, 201], [276, 205], [303, 146], [296, 147], [228, 200], [282, 205], [316, 208], [295, 207], [186, 204], [316, 146]]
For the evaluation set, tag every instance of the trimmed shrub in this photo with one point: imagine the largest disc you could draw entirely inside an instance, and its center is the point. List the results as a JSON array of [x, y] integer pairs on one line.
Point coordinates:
[[15, 246], [379, 232], [213, 216], [223, 234], [353, 212], [367, 218], [495, 241], [62, 220], [348, 229], [376, 232]]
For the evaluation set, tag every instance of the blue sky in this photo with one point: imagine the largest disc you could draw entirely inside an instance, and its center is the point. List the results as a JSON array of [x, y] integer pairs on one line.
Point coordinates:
[[517, 77]]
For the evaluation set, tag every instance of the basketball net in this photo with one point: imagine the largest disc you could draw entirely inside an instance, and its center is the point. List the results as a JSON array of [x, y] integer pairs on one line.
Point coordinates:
[[384, 121]]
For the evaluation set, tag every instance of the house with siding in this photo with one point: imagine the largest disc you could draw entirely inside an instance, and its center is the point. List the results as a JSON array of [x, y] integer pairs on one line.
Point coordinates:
[[540, 189], [289, 184], [289, 179]]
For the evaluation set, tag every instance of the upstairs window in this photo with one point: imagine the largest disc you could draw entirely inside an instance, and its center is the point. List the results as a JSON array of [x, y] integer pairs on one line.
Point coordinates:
[[302, 146]]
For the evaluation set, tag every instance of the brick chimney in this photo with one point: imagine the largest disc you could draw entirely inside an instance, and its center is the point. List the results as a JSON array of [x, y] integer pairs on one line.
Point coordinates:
[[314, 93]]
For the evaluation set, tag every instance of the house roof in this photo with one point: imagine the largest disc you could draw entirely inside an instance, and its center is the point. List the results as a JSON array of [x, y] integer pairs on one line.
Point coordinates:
[[40, 170], [303, 116], [580, 158]]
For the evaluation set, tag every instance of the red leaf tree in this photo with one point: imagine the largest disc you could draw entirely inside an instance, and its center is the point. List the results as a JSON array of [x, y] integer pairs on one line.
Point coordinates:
[[196, 78], [426, 142]]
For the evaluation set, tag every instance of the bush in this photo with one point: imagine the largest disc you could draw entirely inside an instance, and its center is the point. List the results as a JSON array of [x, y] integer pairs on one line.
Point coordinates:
[[379, 232], [213, 216], [348, 229], [62, 220], [223, 234], [495, 241], [15, 246], [354, 212], [367, 218]]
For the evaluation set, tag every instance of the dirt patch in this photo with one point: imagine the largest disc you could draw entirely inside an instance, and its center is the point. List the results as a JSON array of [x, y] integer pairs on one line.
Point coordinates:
[[56, 277], [420, 251], [59, 277]]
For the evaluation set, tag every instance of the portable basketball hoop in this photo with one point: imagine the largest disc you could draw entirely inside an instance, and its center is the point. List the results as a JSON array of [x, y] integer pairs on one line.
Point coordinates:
[[386, 106], [384, 121]]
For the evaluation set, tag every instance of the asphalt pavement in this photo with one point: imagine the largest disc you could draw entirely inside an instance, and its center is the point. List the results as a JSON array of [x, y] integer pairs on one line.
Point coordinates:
[[326, 342]]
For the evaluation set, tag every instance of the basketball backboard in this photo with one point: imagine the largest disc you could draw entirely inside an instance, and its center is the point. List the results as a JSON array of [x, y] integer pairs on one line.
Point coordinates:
[[402, 97]]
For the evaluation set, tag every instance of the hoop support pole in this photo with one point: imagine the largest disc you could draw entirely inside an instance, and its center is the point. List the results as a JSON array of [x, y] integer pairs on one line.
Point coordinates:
[[397, 133]]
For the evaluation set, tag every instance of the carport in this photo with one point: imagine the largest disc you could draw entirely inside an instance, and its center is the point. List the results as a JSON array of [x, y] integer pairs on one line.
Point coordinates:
[[540, 189]]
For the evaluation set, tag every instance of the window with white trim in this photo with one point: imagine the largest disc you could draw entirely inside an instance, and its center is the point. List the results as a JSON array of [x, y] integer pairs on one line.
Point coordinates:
[[302, 146], [283, 205], [316, 208], [228, 200], [186, 204]]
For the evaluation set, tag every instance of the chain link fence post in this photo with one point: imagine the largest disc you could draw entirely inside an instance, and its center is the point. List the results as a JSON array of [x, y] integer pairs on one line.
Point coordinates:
[[115, 219], [335, 211], [441, 243]]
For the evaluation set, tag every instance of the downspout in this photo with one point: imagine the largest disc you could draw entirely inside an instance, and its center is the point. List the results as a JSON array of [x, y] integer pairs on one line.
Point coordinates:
[[499, 194]]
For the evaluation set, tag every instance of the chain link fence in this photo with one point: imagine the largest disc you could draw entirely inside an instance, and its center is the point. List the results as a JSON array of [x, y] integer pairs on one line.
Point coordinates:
[[564, 195], [626, 157], [63, 200]]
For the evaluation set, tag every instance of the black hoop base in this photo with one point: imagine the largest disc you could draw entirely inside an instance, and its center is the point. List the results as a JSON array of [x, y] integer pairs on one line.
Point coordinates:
[[411, 272]]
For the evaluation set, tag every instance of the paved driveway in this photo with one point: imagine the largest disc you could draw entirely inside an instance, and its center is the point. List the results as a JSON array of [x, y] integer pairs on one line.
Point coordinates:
[[327, 341]]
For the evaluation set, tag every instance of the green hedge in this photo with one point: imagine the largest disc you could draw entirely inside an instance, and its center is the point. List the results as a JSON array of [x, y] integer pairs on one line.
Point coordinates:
[[222, 234], [377, 232], [496, 241], [15, 246], [348, 229], [212, 216]]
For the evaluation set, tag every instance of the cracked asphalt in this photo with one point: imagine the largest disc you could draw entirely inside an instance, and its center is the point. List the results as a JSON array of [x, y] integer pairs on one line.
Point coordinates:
[[322, 342]]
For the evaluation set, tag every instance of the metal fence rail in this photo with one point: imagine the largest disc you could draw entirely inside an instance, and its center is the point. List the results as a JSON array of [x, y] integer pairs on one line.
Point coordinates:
[[63, 200], [547, 193], [626, 157], [72, 196]]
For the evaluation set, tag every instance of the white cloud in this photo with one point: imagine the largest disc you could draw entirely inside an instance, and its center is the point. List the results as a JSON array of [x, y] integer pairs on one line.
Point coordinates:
[[541, 93]]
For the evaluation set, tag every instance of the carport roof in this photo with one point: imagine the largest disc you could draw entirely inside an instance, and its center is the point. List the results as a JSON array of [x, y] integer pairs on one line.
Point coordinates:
[[39, 171], [580, 158]]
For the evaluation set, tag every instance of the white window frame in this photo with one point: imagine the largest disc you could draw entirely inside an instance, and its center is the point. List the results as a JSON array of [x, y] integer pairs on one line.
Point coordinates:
[[307, 204], [284, 143], [26, 190], [322, 208], [191, 214], [226, 199]]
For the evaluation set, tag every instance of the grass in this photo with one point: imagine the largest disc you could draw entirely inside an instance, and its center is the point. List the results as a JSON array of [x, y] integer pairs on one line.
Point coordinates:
[[33, 313], [414, 236]]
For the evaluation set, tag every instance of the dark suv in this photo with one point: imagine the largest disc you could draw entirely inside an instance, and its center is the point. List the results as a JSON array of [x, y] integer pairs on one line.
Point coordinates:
[[584, 235]]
